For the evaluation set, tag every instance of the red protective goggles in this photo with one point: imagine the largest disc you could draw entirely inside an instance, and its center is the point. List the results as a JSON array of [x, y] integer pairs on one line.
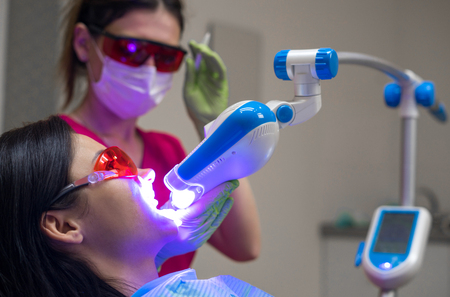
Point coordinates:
[[111, 163], [134, 51]]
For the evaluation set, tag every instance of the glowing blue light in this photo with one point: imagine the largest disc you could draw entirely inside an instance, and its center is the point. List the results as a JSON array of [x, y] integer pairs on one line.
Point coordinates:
[[148, 195], [386, 266], [146, 189], [182, 199], [131, 47], [171, 215]]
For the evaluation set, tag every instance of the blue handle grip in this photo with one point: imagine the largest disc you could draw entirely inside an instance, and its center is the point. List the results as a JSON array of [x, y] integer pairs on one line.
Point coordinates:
[[439, 113], [359, 253]]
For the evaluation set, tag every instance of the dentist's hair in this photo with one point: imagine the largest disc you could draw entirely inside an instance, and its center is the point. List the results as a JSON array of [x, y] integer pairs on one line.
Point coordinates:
[[34, 166]]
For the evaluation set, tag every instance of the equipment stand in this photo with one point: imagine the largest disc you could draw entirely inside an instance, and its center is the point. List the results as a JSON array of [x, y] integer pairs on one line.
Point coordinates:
[[392, 293]]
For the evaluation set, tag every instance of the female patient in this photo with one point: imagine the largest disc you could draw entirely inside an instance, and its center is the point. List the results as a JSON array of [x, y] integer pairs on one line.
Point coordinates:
[[100, 235]]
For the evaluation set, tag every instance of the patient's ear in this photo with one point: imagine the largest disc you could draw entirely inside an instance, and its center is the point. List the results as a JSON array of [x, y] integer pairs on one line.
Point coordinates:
[[60, 226]]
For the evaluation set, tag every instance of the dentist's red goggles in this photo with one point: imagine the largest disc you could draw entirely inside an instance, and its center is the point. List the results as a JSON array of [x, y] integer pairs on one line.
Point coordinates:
[[134, 51]]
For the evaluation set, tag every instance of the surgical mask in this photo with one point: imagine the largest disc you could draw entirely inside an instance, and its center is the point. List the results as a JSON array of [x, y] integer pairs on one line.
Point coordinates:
[[129, 92]]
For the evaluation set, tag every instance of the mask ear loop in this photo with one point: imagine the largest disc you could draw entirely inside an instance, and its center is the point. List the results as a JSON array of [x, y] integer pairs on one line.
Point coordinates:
[[97, 50], [99, 55]]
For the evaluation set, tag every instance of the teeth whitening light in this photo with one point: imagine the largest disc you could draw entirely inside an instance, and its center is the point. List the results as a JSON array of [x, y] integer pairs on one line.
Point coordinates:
[[244, 136], [393, 251]]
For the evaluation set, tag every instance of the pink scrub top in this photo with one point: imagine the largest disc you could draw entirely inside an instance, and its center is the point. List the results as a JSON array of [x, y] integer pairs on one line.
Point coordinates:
[[161, 152]]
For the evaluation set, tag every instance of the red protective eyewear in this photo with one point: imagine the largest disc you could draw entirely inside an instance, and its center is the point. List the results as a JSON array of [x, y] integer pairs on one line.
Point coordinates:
[[111, 163], [134, 51]]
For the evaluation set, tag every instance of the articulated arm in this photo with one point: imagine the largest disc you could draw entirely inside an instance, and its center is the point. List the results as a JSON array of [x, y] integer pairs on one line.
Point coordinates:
[[305, 68], [295, 112]]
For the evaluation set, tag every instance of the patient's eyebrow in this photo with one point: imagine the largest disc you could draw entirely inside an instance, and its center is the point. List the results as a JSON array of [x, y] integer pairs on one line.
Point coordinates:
[[96, 155]]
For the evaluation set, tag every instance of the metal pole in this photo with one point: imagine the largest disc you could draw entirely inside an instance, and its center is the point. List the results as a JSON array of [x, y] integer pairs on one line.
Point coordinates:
[[384, 66], [409, 123], [392, 293], [408, 174]]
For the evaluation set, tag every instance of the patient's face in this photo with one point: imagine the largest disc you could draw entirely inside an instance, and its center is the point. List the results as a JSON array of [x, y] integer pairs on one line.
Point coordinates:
[[119, 217]]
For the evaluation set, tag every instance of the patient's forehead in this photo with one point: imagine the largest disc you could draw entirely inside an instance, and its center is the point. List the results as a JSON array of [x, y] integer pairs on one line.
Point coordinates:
[[85, 151], [86, 141]]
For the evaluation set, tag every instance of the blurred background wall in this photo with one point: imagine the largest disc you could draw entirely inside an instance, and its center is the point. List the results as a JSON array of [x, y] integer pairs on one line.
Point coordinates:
[[30, 47], [345, 158], [3, 32]]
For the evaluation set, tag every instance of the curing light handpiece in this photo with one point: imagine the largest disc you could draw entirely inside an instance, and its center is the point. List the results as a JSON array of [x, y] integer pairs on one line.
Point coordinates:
[[244, 136], [237, 144]]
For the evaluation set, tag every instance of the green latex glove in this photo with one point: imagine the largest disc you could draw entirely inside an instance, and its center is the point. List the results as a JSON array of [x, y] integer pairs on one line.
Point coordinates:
[[199, 221], [206, 88]]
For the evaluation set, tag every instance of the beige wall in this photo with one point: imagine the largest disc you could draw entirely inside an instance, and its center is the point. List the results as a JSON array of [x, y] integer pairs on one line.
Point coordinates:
[[346, 157], [3, 39], [30, 62]]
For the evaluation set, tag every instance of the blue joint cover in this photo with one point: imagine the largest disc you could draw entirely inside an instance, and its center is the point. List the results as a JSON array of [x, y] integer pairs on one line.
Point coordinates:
[[440, 113], [327, 63], [392, 94], [424, 94], [285, 113], [243, 120], [279, 65]]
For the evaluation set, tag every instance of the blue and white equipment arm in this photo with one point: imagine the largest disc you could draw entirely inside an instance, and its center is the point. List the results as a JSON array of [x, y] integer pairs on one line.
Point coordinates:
[[244, 136], [306, 68]]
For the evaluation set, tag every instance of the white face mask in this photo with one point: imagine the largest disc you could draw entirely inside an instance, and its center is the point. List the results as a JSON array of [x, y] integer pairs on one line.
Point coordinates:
[[129, 92]]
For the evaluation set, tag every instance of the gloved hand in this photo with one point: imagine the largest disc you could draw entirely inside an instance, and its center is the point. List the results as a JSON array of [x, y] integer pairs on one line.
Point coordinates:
[[206, 88], [199, 221]]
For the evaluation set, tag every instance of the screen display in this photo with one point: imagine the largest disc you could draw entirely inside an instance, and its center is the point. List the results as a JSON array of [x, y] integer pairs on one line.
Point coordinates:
[[393, 235]]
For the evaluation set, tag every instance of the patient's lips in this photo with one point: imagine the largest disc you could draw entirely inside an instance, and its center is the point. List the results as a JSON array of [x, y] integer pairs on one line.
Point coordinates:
[[172, 215], [148, 195]]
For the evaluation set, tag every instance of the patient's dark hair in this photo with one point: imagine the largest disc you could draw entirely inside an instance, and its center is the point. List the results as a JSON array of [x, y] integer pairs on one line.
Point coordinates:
[[34, 166]]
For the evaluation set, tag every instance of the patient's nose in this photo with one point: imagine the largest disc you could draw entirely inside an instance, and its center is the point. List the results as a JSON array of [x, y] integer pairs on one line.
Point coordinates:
[[147, 174]]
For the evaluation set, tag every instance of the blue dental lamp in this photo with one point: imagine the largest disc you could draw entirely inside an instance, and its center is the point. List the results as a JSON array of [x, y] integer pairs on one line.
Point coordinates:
[[395, 245]]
